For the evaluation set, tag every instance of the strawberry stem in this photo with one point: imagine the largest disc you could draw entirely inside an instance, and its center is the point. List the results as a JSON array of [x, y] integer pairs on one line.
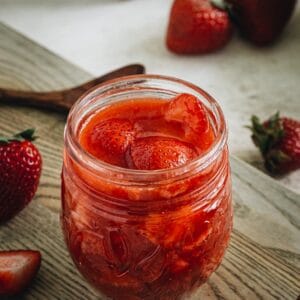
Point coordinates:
[[26, 135], [274, 159], [267, 136]]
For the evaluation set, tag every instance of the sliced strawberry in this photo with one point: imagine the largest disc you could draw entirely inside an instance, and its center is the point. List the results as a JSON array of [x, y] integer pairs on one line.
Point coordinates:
[[188, 110], [109, 140], [17, 270], [153, 153]]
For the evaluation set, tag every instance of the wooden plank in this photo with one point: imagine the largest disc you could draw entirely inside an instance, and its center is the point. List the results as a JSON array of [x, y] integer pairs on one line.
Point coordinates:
[[263, 260], [266, 211]]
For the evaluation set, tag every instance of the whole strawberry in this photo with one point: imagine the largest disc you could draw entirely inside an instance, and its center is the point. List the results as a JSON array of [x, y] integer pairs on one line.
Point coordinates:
[[261, 21], [197, 26], [279, 142], [20, 165]]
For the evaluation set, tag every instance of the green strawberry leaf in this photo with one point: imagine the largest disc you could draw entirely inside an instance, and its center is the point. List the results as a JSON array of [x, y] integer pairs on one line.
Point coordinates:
[[26, 135], [267, 136], [3, 140], [219, 4]]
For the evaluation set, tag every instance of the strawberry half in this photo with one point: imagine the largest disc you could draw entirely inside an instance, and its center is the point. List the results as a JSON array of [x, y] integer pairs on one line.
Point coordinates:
[[153, 153], [197, 26], [20, 165], [109, 140], [187, 110], [261, 21], [278, 139], [17, 270]]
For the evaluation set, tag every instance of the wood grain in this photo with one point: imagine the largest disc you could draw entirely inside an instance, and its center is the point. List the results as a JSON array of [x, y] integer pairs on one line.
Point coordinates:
[[263, 260], [63, 100]]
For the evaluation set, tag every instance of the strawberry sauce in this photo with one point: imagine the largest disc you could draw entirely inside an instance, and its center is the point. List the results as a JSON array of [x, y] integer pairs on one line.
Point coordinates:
[[157, 227], [148, 134]]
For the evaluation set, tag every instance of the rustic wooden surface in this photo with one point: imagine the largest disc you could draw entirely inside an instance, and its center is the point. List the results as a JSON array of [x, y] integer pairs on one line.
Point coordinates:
[[263, 260], [63, 100]]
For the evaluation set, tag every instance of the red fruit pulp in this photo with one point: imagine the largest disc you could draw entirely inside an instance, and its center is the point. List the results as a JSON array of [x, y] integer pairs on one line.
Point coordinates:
[[163, 135], [148, 241], [17, 270], [152, 153], [109, 139]]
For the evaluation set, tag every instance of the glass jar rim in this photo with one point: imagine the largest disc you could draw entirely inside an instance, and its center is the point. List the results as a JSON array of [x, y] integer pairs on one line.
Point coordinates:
[[97, 166]]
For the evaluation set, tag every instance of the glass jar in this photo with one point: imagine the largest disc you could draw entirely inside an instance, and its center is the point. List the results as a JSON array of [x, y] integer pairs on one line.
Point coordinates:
[[145, 234]]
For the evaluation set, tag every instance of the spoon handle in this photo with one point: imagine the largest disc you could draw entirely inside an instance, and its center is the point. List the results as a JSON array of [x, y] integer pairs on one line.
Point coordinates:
[[63, 100]]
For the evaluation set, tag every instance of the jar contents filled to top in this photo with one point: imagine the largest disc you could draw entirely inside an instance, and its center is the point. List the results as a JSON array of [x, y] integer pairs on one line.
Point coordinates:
[[146, 190]]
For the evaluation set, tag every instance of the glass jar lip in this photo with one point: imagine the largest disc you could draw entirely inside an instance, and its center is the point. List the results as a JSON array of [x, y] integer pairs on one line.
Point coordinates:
[[98, 166]]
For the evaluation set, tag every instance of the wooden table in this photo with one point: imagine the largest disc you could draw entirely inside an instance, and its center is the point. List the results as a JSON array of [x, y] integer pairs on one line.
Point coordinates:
[[263, 260]]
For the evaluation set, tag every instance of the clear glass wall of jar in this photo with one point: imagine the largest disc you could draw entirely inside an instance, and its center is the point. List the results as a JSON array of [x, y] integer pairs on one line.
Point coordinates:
[[145, 234]]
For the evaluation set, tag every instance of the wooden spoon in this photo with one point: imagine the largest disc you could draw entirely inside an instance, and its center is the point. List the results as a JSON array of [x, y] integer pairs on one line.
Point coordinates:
[[64, 99]]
